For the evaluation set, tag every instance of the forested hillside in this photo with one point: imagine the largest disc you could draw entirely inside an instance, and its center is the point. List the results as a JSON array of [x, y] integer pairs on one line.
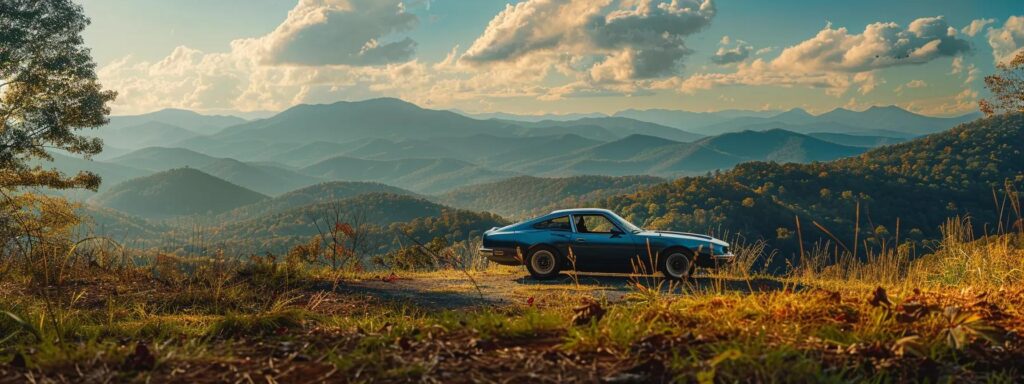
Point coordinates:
[[523, 196], [383, 217], [335, 190], [177, 192], [921, 183]]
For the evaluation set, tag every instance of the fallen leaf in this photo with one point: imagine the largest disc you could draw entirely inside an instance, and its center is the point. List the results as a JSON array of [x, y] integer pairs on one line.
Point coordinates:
[[590, 310], [141, 359], [880, 298]]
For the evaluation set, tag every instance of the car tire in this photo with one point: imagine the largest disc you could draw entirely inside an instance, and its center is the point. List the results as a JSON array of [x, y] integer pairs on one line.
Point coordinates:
[[543, 263], [678, 264]]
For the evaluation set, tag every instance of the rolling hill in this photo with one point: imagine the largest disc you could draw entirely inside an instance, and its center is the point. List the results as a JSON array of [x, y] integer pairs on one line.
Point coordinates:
[[189, 120], [177, 192], [641, 154], [523, 196], [347, 121], [266, 179], [486, 150], [312, 153], [386, 213], [334, 190], [111, 174], [421, 175], [146, 134], [779, 146], [888, 121], [686, 120], [127, 230], [156, 159], [921, 183], [618, 127], [856, 140]]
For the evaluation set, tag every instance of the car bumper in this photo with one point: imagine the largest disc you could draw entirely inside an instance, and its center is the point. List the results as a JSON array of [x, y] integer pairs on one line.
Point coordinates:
[[711, 261], [501, 256]]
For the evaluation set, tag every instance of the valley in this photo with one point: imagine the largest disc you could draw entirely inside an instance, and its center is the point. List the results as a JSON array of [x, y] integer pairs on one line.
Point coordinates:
[[261, 185]]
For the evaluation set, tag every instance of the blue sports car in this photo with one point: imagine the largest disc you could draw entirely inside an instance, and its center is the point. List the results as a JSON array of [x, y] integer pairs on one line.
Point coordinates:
[[598, 240]]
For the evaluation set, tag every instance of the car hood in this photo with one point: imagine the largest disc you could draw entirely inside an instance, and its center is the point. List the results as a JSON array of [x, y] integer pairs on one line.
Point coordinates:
[[685, 236]]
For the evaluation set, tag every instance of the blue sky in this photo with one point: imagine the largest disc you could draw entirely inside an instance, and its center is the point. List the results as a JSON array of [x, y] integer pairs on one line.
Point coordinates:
[[549, 56]]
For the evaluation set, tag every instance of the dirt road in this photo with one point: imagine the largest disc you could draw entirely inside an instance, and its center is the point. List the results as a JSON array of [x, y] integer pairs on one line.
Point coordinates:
[[454, 289]]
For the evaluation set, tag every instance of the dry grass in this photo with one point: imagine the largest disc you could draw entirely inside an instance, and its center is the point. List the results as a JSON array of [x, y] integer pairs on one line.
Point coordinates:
[[954, 314]]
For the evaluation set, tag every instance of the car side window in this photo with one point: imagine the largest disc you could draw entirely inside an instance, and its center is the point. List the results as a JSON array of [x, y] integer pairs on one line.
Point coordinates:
[[593, 224], [557, 224]]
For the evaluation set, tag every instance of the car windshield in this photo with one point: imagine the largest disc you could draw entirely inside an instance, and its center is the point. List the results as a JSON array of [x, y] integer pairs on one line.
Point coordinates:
[[626, 224]]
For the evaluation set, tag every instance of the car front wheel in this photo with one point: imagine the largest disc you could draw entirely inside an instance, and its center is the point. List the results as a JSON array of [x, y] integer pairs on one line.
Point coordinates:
[[542, 263], [678, 265]]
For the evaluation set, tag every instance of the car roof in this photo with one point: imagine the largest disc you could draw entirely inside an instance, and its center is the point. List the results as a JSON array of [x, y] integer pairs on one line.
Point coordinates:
[[581, 210]]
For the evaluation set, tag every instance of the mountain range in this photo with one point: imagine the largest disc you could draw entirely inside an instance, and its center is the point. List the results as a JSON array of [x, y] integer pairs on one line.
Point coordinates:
[[427, 151], [258, 183]]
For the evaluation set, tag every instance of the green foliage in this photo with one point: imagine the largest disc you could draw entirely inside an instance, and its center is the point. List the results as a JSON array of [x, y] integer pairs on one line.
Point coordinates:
[[177, 192], [1006, 87], [48, 90], [524, 196], [236, 325], [414, 257], [319, 193], [920, 183], [381, 215]]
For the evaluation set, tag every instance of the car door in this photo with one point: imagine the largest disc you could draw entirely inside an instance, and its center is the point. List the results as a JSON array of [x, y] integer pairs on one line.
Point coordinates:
[[601, 246]]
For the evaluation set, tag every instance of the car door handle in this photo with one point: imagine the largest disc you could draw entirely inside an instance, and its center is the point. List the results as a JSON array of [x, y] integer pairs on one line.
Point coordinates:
[[581, 240]]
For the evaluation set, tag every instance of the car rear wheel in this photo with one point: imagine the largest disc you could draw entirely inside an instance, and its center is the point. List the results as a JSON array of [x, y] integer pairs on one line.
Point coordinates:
[[543, 263], [678, 265]]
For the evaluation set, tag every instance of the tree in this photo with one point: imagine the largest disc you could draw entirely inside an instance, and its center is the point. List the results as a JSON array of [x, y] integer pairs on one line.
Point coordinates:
[[1007, 88], [48, 90]]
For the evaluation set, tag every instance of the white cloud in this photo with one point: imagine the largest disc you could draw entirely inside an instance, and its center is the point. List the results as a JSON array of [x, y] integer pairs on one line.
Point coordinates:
[[629, 40], [964, 101], [1007, 40], [912, 84], [976, 26], [970, 71], [881, 45], [336, 32], [915, 84], [729, 53], [837, 60], [958, 65], [972, 74]]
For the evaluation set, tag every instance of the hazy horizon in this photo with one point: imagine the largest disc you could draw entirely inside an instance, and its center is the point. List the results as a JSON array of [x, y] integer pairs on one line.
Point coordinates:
[[255, 115]]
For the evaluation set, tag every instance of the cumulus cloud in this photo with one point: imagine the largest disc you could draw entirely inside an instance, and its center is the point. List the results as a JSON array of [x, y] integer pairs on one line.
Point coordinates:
[[911, 85], [916, 84], [964, 101], [188, 78], [327, 50], [838, 60], [881, 45], [976, 26], [1007, 40], [336, 32], [729, 52], [611, 41]]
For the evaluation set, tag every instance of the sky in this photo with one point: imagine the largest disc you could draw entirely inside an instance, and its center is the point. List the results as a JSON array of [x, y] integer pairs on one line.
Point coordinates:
[[252, 57]]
